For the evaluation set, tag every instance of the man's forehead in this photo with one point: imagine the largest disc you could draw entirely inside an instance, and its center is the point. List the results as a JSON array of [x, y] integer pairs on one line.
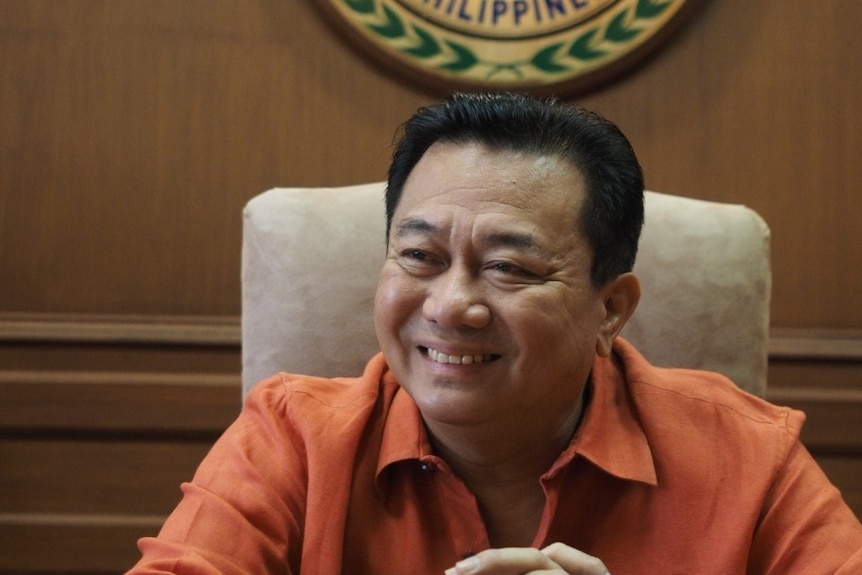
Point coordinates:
[[473, 168], [472, 183]]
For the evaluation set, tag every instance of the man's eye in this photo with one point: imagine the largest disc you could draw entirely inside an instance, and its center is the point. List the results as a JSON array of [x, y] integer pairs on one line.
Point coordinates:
[[417, 255], [419, 262], [418, 258], [511, 269]]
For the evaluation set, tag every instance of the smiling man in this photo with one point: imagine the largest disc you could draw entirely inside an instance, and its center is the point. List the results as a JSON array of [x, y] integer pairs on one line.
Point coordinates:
[[488, 317], [505, 428]]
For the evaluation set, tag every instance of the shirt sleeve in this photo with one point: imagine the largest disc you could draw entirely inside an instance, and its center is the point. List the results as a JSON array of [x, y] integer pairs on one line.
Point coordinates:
[[805, 526], [242, 513]]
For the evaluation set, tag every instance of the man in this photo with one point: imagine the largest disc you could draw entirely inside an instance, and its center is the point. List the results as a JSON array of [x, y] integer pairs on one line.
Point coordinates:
[[505, 428]]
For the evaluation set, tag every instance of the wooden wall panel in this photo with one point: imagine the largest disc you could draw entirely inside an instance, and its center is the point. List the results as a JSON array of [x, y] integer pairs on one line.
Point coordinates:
[[135, 131], [760, 103], [845, 471], [80, 476], [90, 461], [72, 546], [130, 404]]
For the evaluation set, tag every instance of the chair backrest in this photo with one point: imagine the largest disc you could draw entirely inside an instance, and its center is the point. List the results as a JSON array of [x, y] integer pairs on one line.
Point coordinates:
[[311, 257]]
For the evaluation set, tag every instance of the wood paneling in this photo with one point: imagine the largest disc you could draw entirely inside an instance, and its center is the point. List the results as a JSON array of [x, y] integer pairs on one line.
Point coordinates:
[[92, 460], [198, 330], [95, 476], [170, 404], [833, 416], [135, 131], [845, 471], [77, 545], [760, 103]]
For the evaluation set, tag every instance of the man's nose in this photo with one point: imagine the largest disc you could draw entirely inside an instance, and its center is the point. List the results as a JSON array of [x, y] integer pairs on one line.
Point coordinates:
[[456, 298]]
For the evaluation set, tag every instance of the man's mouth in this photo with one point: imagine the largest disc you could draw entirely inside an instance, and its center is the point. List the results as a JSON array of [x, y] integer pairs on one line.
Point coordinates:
[[467, 359]]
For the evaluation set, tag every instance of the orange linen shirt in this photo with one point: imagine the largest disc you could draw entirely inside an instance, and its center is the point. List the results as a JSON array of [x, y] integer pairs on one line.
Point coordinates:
[[670, 471]]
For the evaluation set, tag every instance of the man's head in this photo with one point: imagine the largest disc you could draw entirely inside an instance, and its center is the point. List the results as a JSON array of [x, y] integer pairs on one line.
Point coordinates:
[[489, 309], [612, 215]]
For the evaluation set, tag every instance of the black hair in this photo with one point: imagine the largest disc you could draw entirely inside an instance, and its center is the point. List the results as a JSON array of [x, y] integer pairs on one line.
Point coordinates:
[[612, 212]]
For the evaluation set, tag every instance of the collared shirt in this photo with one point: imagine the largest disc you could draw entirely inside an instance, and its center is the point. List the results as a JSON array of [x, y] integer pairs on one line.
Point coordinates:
[[670, 471]]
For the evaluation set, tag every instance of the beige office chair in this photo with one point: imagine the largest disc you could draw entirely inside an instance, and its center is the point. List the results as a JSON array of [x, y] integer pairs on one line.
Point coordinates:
[[311, 257]]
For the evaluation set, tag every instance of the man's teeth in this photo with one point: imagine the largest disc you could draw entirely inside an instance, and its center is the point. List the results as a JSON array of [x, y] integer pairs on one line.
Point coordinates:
[[456, 359]]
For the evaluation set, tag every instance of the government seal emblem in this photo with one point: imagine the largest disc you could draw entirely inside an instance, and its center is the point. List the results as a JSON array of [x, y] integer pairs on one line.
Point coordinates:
[[508, 44]]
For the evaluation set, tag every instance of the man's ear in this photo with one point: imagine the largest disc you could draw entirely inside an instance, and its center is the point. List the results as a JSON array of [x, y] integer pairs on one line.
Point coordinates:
[[620, 296]]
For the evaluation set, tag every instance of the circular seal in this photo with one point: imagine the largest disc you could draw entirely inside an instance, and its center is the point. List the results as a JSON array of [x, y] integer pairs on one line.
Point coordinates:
[[508, 44]]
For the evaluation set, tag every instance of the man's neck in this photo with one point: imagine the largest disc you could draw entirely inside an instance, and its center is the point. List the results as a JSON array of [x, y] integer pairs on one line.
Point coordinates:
[[501, 465]]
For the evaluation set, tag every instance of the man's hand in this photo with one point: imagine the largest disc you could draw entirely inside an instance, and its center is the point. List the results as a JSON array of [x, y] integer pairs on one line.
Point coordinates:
[[555, 559]]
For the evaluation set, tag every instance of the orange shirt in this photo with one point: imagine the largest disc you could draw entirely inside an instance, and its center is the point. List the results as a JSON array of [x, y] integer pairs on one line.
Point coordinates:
[[670, 471]]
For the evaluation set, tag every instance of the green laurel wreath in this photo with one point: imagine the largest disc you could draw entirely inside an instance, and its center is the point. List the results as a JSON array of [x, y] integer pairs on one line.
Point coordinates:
[[554, 58]]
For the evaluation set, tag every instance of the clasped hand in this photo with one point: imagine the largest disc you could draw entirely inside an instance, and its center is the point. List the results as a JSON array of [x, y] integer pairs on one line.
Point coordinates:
[[555, 559]]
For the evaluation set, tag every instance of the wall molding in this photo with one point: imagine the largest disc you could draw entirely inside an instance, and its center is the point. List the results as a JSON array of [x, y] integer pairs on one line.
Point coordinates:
[[67, 404], [82, 519], [122, 329], [833, 415], [815, 344], [784, 343]]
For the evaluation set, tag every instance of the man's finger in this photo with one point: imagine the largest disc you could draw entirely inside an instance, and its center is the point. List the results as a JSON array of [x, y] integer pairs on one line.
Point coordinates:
[[575, 562], [504, 561]]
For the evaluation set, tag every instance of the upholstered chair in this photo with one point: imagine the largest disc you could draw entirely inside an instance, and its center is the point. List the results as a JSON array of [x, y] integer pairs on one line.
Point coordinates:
[[311, 257]]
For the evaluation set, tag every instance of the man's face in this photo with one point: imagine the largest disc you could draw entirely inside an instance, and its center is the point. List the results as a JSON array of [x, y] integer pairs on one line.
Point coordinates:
[[485, 310]]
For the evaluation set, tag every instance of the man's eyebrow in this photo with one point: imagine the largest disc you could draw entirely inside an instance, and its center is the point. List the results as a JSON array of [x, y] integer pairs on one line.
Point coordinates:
[[517, 240], [510, 239], [409, 226]]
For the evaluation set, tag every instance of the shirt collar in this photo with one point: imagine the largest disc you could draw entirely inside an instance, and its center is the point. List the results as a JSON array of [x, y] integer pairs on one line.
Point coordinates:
[[404, 435], [610, 435]]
